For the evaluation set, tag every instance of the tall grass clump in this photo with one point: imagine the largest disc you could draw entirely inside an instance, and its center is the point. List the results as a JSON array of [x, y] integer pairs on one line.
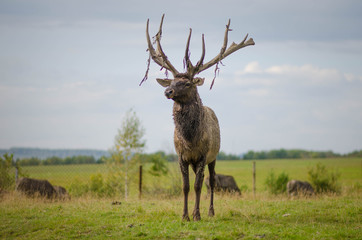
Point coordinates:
[[167, 184], [324, 181], [276, 184], [97, 186]]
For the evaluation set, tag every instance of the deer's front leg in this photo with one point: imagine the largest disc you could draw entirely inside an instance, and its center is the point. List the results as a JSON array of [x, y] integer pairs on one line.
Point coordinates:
[[186, 187], [212, 187], [199, 171]]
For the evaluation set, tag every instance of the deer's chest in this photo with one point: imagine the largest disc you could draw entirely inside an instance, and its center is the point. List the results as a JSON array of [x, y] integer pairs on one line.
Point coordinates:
[[189, 133], [192, 149]]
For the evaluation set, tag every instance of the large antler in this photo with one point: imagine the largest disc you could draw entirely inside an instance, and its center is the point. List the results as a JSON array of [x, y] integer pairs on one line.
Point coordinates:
[[158, 55], [193, 70], [161, 59]]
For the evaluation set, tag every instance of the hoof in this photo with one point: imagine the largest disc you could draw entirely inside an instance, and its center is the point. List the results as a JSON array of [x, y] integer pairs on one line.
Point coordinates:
[[186, 218], [197, 217], [211, 212]]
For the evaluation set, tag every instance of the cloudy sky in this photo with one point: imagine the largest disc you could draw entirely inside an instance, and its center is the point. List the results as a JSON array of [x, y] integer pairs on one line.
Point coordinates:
[[69, 71]]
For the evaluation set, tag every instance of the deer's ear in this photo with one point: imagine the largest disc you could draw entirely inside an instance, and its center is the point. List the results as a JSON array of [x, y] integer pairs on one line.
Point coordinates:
[[164, 82], [198, 81]]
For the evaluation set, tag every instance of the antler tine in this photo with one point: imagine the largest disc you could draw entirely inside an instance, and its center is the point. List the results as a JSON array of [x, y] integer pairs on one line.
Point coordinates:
[[224, 52], [201, 61], [219, 57], [152, 54], [188, 63], [223, 48], [151, 50], [192, 70], [159, 56], [166, 63]]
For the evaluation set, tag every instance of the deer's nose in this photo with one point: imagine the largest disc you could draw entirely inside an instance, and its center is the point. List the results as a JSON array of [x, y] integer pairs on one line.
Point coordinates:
[[169, 93]]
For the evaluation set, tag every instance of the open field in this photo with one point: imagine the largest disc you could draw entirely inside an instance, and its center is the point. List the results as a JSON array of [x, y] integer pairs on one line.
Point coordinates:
[[247, 217], [350, 169]]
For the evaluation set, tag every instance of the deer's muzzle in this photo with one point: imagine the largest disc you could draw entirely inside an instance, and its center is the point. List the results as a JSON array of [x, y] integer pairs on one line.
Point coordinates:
[[169, 93]]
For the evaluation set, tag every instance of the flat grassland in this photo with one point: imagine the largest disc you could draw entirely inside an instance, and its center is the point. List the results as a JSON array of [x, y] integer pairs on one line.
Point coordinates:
[[262, 216], [349, 168]]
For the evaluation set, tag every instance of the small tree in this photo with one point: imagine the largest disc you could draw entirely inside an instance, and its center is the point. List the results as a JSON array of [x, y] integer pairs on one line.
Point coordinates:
[[8, 171], [6, 179], [128, 143]]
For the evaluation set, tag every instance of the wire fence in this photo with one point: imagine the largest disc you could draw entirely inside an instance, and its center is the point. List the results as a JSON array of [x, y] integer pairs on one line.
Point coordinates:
[[105, 179], [109, 180], [64, 175]]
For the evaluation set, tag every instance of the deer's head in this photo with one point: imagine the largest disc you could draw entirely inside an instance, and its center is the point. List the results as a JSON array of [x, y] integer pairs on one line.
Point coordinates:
[[184, 83], [181, 89]]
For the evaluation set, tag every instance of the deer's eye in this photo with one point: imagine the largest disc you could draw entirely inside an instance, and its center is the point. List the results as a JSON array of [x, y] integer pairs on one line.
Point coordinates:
[[188, 84]]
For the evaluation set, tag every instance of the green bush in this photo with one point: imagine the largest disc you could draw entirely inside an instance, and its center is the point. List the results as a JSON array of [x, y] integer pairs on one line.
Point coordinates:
[[78, 189], [277, 185], [159, 165], [96, 184], [324, 181]]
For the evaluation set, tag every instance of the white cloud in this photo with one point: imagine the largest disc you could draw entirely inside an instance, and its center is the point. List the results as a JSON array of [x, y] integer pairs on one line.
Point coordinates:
[[251, 68], [352, 77], [307, 74]]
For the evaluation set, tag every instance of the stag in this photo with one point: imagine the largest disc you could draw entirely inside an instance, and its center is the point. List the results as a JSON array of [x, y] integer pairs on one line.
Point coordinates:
[[197, 132]]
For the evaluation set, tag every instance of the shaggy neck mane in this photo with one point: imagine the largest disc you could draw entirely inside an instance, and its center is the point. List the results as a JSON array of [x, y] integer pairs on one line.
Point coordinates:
[[188, 117]]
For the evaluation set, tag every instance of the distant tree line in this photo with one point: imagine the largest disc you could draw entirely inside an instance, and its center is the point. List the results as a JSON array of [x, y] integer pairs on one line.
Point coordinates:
[[147, 157], [173, 157], [59, 161], [223, 156], [44, 153], [92, 160], [296, 153], [354, 154], [272, 154]]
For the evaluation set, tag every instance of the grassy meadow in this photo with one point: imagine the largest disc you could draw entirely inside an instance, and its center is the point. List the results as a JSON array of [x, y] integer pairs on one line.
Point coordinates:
[[263, 216], [350, 169]]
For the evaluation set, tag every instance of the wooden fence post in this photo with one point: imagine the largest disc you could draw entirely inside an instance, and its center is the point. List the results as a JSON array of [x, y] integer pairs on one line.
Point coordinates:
[[140, 183], [16, 175], [254, 178]]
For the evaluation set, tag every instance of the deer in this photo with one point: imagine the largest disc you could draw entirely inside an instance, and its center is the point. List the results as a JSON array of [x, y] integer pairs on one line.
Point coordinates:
[[197, 131]]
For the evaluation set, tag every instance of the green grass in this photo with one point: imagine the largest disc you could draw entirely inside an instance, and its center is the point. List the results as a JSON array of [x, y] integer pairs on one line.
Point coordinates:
[[328, 217], [154, 217]]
